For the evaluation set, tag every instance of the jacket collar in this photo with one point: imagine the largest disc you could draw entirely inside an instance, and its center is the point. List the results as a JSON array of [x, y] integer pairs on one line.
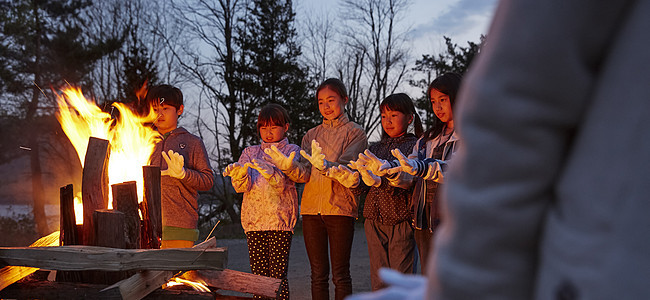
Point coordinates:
[[178, 130], [399, 139], [280, 144], [336, 122], [454, 136]]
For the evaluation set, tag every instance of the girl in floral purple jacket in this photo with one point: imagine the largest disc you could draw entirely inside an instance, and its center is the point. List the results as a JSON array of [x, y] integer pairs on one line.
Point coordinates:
[[270, 206]]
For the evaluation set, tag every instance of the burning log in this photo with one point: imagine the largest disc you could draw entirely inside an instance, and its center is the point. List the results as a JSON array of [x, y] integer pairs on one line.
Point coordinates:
[[109, 228], [237, 281], [109, 232], [150, 207], [80, 258], [125, 200], [69, 232], [94, 185], [140, 285], [67, 217]]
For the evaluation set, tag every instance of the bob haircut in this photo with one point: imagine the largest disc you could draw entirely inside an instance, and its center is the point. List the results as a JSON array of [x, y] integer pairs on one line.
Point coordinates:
[[272, 114]]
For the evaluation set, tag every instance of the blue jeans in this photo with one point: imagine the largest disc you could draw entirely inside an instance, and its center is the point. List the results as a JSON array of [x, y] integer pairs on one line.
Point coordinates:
[[338, 231]]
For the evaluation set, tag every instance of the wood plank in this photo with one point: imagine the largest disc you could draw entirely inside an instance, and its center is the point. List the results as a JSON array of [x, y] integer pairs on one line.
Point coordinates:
[[125, 200], [232, 280], [94, 185], [78, 258], [40, 289], [9, 275], [140, 285], [150, 207]]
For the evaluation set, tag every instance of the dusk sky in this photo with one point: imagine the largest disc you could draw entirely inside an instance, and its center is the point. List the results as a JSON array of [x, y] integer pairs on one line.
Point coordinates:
[[430, 20]]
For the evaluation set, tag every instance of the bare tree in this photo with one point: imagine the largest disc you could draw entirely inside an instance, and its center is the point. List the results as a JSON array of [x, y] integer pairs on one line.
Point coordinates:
[[133, 21], [201, 42], [377, 54], [319, 36]]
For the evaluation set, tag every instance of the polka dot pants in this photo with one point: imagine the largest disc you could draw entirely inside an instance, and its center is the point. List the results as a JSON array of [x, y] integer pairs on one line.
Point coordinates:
[[269, 256]]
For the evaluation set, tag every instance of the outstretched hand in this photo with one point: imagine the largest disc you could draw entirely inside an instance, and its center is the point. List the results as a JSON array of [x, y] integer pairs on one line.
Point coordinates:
[[372, 163], [343, 175], [235, 170], [276, 157], [406, 165], [265, 168], [400, 286], [369, 178], [175, 163], [317, 158]]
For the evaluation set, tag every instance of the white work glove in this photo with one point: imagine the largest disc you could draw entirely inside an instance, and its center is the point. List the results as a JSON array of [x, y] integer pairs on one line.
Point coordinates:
[[400, 287], [344, 176], [175, 164], [236, 171], [278, 159], [265, 168], [407, 165], [373, 164], [369, 179], [317, 158]]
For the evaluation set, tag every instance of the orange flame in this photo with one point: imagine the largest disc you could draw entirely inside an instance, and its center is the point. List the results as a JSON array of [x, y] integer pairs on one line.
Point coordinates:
[[131, 142], [9, 275], [197, 286]]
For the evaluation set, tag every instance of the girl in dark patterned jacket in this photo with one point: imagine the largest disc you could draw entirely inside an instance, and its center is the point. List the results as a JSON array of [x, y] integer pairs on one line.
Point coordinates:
[[387, 208]]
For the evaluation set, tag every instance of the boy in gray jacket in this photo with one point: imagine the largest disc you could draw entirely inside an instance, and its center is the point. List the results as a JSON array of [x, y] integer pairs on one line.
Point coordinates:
[[185, 169]]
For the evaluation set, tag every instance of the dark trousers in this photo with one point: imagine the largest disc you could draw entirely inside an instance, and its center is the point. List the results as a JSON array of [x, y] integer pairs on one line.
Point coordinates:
[[389, 246], [424, 241], [338, 232], [269, 256]]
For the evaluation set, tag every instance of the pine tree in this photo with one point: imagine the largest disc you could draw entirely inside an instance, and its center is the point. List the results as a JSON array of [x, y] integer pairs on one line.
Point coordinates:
[[42, 47], [455, 59], [268, 69]]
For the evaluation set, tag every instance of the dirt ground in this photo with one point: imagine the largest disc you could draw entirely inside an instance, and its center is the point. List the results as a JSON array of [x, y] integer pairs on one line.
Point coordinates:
[[299, 272]]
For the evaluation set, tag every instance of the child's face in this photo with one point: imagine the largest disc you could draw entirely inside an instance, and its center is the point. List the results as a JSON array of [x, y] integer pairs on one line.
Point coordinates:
[[167, 117], [441, 106], [330, 104], [271, 133], [395, 123]]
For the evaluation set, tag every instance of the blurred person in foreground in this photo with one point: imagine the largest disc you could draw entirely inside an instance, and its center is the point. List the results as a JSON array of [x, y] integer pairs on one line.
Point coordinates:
[[548, 196]]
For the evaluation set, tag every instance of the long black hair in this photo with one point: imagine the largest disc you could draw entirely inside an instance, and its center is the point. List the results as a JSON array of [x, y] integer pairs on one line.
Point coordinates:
[[448, 84]]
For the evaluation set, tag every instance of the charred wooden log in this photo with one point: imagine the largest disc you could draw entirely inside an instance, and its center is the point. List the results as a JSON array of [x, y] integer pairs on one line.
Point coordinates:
[[150, 208], [125, 200], [94, 185]]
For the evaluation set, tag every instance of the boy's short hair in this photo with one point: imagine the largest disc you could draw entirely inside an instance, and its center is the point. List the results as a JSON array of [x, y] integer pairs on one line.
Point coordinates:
[[164, 94], [272, 114]]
